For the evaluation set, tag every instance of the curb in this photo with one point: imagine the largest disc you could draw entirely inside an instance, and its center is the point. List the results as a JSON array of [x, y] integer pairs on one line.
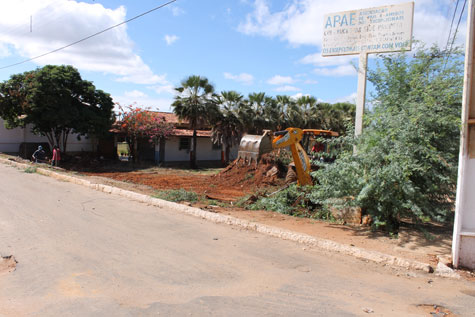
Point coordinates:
[[301, 238]]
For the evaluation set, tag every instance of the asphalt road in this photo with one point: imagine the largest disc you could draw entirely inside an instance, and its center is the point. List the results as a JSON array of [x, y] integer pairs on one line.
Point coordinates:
[[87, 253]]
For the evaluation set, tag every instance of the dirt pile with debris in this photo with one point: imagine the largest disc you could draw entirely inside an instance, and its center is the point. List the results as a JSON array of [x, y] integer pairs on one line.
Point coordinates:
[[234, 182], [267, 172]]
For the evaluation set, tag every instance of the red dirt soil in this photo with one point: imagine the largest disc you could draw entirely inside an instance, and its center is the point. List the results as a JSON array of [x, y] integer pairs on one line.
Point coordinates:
[[237, 180]]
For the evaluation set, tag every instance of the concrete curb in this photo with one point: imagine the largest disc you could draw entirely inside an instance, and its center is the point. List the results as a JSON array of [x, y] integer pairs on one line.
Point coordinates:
[[301, 238]]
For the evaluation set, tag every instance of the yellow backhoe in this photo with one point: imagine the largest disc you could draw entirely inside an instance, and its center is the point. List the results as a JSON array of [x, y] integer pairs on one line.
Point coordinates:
[[252, 147]]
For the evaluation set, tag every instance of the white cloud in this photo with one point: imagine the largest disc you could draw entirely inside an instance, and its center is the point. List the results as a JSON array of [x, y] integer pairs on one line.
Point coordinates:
[[111, 52], [287, 88], [298, 95], [280, 80], [338, 71], [350, 98], [156, 104], [4, 51], [310, 82], [243, 78], [135, 94], [168, 88], [301, 21], [170, 39]]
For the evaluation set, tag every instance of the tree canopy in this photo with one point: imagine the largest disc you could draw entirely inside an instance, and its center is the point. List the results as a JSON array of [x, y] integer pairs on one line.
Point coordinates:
[[194, 103], [56, 101]]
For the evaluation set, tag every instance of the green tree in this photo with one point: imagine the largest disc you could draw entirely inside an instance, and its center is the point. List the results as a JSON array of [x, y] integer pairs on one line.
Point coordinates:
[[56, 101], [282, 105], [406, 162], [194, 103], [227, 128], [246, 114], [257, 103]]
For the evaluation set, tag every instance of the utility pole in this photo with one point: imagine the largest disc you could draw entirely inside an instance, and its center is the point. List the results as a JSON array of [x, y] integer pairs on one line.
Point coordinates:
[[463, 242]]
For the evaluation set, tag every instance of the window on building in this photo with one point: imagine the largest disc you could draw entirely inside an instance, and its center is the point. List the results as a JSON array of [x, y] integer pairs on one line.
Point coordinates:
[[185, 144]]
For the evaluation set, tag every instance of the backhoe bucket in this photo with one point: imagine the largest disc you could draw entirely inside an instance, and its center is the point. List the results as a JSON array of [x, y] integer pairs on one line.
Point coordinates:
[[252, 147]]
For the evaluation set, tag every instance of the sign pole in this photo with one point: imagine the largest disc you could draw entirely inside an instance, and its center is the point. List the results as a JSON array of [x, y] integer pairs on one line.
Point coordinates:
[[361, 93]]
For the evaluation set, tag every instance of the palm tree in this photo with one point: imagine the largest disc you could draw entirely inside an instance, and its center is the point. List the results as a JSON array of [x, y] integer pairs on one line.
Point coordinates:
[[228, 128], [257, 103], [312, 116], [295, 117], [282, 103], [246, 114], [194, 103]]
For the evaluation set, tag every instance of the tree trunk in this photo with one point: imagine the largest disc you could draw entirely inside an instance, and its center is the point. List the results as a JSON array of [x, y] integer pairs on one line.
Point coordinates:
[[226, 153], [65, 140], [50, 137], [193, 150], [132, 147], [161, 153]]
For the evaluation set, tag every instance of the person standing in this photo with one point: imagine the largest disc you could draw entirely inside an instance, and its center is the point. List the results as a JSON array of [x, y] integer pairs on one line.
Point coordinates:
[[56, 156], [39, 155]]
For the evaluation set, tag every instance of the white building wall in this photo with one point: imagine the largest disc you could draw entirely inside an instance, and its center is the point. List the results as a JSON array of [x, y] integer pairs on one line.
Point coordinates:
[[205, 151], [172, 154], [10, 140]]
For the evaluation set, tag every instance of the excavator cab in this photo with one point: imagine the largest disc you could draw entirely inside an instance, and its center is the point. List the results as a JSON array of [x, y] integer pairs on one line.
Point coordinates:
[[311, 142]]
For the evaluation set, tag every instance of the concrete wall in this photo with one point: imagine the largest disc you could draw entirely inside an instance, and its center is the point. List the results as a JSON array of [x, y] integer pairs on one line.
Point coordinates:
[[10, 140], [205, 151]]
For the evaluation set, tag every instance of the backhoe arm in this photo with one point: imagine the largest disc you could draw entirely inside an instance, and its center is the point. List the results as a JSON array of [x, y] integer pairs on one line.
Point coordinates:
[[291, 137]]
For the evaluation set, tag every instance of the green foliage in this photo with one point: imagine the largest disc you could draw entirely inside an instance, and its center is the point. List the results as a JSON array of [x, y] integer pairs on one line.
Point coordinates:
[[406, 159], [57, 102], [30, 170], [227, 128], [177, 195], [293, 201], [260, 112]]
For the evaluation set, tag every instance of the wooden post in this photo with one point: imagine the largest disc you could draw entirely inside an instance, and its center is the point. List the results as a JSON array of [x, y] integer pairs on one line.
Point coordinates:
[[361, 93]]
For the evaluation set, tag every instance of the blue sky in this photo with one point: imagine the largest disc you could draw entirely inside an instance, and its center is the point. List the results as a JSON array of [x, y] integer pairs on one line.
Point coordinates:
[[243, 45]]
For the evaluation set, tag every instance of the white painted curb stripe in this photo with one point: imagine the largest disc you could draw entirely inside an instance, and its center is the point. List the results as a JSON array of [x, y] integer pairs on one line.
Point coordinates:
[[219, 218]]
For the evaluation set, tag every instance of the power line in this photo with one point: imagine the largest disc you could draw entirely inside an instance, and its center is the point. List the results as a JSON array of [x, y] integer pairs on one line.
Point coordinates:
[[90, 36], [458, 24], [451, 24]]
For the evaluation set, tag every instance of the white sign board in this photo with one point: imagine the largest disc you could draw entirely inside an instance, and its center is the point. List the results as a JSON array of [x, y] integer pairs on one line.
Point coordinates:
[[374, 30]]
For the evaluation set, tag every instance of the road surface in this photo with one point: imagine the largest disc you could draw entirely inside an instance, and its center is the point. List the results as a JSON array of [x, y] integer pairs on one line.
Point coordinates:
[[86, 253]]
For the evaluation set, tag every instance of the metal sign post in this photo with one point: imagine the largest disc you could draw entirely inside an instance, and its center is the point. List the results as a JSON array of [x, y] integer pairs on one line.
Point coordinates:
[[361, 93], [373, 30]]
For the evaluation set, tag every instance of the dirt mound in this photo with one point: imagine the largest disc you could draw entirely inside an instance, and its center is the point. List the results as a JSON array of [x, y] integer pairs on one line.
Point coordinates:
[[269, 171], [237, 180]]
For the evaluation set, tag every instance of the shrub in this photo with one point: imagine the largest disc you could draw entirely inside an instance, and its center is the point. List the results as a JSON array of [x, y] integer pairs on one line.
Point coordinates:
[[406, 159], [177, 195], [31, 169]]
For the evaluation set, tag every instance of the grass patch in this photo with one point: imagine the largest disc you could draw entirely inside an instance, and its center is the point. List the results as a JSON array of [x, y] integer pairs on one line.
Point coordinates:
[[177, 195], [30, 170]]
